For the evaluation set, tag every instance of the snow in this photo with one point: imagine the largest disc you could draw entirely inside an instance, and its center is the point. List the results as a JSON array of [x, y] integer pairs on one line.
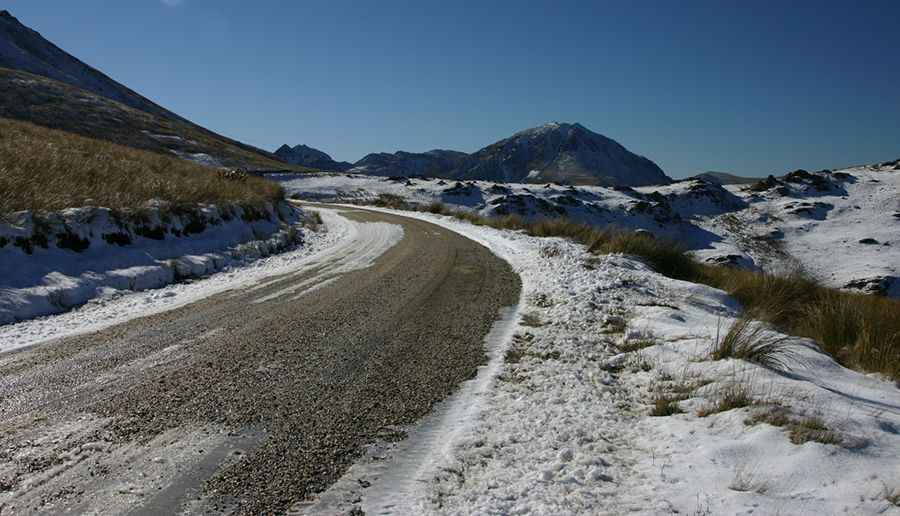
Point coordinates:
[[57, 261], [345, 246], [562, 424], [797, 226]]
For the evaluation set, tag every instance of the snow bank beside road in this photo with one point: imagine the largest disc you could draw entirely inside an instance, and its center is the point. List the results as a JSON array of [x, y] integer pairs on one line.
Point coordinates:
[[342, 246], [566, 427], [53, 263]]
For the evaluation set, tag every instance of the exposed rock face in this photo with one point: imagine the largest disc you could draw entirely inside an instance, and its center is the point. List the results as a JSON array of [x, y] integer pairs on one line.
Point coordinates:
[[310, 157], [879, 285]]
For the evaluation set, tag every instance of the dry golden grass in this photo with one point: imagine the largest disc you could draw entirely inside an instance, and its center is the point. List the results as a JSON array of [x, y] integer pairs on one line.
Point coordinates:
[[860, 331], [45, 170]]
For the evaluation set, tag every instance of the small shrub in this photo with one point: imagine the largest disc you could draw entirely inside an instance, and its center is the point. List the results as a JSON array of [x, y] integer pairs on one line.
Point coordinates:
[[748, 341], [392, 201]]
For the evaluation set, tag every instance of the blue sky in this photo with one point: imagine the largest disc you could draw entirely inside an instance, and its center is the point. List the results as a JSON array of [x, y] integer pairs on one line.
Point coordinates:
[[749, 87]]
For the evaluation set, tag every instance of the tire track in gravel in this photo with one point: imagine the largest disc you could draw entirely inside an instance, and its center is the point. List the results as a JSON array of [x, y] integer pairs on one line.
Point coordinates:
[[230, 405]]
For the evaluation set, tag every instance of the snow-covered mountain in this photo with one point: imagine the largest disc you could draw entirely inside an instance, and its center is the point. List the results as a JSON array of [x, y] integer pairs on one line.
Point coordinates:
[[564, 153], [434, 163], [310, 157], [554, 152]]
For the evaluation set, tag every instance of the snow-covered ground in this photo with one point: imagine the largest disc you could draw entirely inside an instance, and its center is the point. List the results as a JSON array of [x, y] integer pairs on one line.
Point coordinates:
[[842, 227], [55, 262], [562, 423], [341, 246]]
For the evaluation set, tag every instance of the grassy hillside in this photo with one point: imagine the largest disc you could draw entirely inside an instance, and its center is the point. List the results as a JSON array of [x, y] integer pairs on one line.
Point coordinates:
[[54, 104], [43, 169]]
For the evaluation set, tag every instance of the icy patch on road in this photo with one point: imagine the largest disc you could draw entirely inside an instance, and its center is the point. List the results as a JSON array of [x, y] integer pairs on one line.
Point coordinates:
[[363, 244], [342, 237]]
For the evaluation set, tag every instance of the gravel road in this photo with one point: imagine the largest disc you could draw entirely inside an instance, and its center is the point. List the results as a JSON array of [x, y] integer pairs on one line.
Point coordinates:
[[251, 400]]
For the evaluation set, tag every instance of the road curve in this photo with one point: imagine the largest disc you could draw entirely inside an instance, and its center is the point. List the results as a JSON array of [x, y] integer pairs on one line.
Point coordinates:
[[251, 400]]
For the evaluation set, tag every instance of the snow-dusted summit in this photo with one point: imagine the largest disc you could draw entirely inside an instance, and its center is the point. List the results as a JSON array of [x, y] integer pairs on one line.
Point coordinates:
[[565, 153]]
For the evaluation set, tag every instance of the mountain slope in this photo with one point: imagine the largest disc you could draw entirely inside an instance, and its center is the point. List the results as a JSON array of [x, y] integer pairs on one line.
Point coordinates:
[[565, 153], [725, 178], [41, 83], [22, 48], [310, 157], [554, 152], [434, 163]]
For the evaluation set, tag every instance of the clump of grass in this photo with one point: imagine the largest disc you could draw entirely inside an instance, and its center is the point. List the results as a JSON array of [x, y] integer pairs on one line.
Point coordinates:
[[746, 480], [664, 405], [734, 395], [800, 429], [392, 201], [746, 340], [892, 496], [811, 428], [667, 258], [532, 320], [46, 170], [859, 331], [630, 345]]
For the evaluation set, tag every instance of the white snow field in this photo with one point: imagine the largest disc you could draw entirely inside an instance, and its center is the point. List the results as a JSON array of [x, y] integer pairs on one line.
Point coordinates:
[[842, 227], [559, 421], [342, 246]]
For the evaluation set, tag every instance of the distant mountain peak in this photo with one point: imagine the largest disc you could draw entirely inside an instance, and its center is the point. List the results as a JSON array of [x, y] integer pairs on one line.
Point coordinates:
[[310, 157], [5, 14]]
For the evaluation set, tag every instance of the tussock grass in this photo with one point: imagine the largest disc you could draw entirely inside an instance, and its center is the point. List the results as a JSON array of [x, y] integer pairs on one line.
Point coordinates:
[[859, 331], [746, 340], [48, 170], [733, 395], [811, 428], [664, 405], [801, 429]]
